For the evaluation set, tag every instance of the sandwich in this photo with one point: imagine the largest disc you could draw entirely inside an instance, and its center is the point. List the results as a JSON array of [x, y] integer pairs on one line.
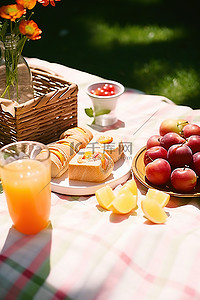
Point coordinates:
[[90, 166], [83, 135], [112, 146], [60, 156], [63, 150]]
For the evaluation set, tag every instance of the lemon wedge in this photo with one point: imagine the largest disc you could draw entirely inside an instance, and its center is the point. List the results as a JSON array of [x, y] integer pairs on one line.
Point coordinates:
[[159, 196], [105, 196], [123, 203], [153, 211], [131, 186]]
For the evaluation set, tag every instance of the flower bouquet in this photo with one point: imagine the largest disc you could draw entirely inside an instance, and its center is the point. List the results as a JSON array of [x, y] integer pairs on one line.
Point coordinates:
[[53, 109], [16, 27]]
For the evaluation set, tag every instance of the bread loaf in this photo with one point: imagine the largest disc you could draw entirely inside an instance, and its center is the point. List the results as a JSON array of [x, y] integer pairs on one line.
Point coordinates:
[[83, 135], [112, 146], [60, 158], [63, 150], [90, 166]]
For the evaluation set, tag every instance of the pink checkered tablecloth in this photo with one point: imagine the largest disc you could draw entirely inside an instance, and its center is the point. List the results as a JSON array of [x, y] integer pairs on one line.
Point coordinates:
[[87, 253]]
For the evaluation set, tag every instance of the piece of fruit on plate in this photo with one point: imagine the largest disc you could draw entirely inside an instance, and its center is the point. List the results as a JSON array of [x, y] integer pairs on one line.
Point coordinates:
[[159, 196]]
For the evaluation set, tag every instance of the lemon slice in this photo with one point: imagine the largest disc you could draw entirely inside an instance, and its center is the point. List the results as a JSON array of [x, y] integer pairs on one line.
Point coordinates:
[[153, 211], [161, 197], [123, 203], [105, 196]]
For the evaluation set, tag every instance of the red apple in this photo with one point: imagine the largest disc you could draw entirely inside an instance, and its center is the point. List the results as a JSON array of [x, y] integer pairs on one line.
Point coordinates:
[[194, 143], [153, 153], [191, 129], [170, 139], [154, 140], [183, 180], [179, 155], [158, 171], [196, 163], [172, 125]]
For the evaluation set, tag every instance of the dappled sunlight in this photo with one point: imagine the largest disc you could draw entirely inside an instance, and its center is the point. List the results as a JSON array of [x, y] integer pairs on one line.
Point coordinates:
[[183, 85], [179, 84], [148, 45], [104, 34]]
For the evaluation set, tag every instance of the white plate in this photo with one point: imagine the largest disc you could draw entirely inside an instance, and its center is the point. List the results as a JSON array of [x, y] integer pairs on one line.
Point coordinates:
[[120, 174]]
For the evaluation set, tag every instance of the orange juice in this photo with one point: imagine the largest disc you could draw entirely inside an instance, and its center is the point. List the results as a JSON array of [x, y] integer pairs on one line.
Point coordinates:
[[26, 184]]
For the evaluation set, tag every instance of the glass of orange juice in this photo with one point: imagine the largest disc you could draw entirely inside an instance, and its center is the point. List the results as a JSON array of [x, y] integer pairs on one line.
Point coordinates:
[[26, 175]]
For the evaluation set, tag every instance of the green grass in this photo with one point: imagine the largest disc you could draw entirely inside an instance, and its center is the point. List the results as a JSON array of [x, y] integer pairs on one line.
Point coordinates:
[[150, 45]]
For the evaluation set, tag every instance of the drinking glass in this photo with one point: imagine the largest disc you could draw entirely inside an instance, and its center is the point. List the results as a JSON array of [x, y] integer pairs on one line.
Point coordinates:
[[26, 176]]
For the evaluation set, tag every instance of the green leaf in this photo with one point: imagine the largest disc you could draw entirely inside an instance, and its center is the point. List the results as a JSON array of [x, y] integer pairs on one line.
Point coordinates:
[[103, 112], [89, 112], [3, 30], [1, 188]]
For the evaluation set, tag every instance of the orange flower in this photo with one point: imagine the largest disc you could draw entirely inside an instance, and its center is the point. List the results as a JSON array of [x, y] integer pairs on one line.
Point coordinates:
[[27, 3], [30, 29], [46, 2], [12, 12]]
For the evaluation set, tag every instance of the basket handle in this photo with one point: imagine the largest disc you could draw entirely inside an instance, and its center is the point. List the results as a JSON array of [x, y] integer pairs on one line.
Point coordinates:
[[44, 72]]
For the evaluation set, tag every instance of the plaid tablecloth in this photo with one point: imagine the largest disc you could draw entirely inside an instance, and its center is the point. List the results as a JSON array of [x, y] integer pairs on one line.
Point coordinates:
[[87, 253]]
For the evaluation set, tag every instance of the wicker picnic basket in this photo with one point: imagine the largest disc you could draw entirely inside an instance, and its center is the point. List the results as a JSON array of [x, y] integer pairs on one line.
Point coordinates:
[[44, 118]]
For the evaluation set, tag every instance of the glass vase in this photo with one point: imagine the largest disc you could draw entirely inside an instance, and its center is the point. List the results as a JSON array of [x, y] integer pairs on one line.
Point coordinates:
[[15, 75]]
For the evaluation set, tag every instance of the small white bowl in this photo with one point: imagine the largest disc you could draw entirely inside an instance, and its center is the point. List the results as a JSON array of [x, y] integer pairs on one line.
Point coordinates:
[[105, 103]]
